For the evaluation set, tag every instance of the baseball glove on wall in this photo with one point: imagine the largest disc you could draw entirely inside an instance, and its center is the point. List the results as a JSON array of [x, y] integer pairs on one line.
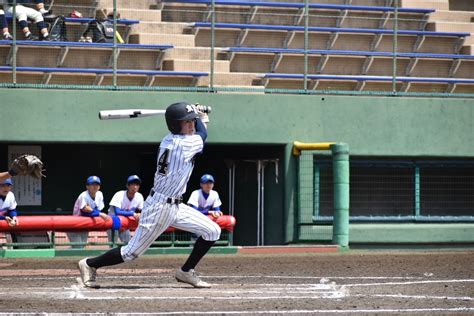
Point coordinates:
[[27, 165]]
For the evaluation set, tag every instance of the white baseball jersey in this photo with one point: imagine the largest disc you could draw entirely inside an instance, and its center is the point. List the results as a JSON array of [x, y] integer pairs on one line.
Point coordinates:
[[121, 200], [175, 164], [198, 199], [85, 199], [8, 204]]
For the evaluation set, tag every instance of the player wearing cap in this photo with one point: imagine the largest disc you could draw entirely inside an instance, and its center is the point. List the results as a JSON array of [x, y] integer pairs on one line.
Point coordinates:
[[164, 207], [8, 203], [206, 200], [127, 203], [89, 203]]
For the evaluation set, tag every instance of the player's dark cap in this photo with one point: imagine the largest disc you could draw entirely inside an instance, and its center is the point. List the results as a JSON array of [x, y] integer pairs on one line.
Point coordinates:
[[7, 182], [134, 179], [207, 178], [176, 112], [92, 180]]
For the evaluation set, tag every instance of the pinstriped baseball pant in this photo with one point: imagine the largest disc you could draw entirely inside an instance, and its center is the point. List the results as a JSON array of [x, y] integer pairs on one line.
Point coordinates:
[[157, 216]]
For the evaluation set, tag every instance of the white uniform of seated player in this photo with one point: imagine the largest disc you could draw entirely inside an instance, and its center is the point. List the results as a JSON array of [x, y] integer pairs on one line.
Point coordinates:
[[127, 203]]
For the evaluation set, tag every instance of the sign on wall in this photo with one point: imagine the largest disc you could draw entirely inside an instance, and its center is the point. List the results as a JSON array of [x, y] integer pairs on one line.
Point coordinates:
[[27, 190]]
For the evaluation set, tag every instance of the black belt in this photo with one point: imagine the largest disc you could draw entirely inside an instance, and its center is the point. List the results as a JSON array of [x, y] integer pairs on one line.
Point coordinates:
[[170, 200]]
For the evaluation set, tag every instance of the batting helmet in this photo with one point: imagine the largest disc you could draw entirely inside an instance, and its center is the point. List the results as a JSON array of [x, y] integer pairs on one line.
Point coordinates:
[[176, 112]]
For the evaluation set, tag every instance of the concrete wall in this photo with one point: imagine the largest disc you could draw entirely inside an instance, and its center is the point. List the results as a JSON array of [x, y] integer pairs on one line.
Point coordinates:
[[370, 125]]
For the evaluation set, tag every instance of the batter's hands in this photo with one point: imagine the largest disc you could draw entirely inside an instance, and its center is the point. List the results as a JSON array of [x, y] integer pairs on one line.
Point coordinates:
[[202, 115], [215, 214]]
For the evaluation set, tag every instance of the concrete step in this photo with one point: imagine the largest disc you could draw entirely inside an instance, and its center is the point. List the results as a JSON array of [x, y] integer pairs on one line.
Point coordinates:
[[139, 14], [195, 65], [241, 89], [158, 28], [453, 16], [451, 27], [469, 40], [426, 4], [467, 49], [181, 40], [127, 4], [232, 79], [195, 53]]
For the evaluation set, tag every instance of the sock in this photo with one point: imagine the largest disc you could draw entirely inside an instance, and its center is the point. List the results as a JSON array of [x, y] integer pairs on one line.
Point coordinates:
[[27, 34], [45, 34], [201, 247], [110, 258]]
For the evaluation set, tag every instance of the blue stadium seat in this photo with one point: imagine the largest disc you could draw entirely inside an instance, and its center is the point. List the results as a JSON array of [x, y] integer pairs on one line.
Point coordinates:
[[325, 29], [340, 52], [81, 44], [302, 5], [107, 71], [369, 78], [87, 20]]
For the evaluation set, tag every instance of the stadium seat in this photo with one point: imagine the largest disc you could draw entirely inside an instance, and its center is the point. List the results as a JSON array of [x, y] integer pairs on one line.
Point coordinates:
[[321, 14], [257, 35], [359, 83], [96, 76], [84, 55], [280, 60]]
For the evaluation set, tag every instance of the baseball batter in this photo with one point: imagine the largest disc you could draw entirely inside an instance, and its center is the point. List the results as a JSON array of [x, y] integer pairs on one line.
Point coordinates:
[[164, 207]]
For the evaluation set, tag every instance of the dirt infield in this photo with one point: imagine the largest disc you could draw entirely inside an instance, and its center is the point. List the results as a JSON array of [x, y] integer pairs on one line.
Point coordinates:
[[312, 283]]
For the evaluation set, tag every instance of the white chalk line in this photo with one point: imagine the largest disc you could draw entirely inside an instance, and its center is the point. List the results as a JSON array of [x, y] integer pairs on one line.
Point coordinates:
[[243, 312], [412, 282], [215, 277]]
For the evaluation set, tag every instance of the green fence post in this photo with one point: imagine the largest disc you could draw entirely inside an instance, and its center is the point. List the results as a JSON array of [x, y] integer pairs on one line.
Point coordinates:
[[340, 158]]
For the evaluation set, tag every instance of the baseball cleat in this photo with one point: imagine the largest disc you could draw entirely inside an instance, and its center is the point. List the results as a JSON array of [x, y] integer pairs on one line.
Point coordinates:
[[191, 278], [88, 275]]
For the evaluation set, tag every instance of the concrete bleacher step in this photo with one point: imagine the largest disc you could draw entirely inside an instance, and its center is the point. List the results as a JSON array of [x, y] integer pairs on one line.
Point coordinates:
[[159, 28], [256, 89], [127, 4], [442, 26], [195, 65], [426, 4], [467, 50], [196, 53], [139, 14], [182, 40], [231, 79], [454, 16], [469, 40]]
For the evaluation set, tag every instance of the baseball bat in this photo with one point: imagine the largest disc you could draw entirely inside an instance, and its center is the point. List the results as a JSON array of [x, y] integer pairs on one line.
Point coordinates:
[[128, 113]]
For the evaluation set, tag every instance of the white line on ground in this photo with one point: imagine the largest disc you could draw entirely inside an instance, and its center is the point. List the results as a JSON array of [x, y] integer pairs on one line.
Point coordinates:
[[411, 282], [317, 311]]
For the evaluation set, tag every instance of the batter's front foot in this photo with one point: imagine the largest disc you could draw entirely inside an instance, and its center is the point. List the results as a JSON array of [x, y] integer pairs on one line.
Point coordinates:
[[88, 275], [191, 278]]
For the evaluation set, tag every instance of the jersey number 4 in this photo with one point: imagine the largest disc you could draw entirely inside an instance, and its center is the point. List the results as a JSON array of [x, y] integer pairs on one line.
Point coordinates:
[[163, 162]]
